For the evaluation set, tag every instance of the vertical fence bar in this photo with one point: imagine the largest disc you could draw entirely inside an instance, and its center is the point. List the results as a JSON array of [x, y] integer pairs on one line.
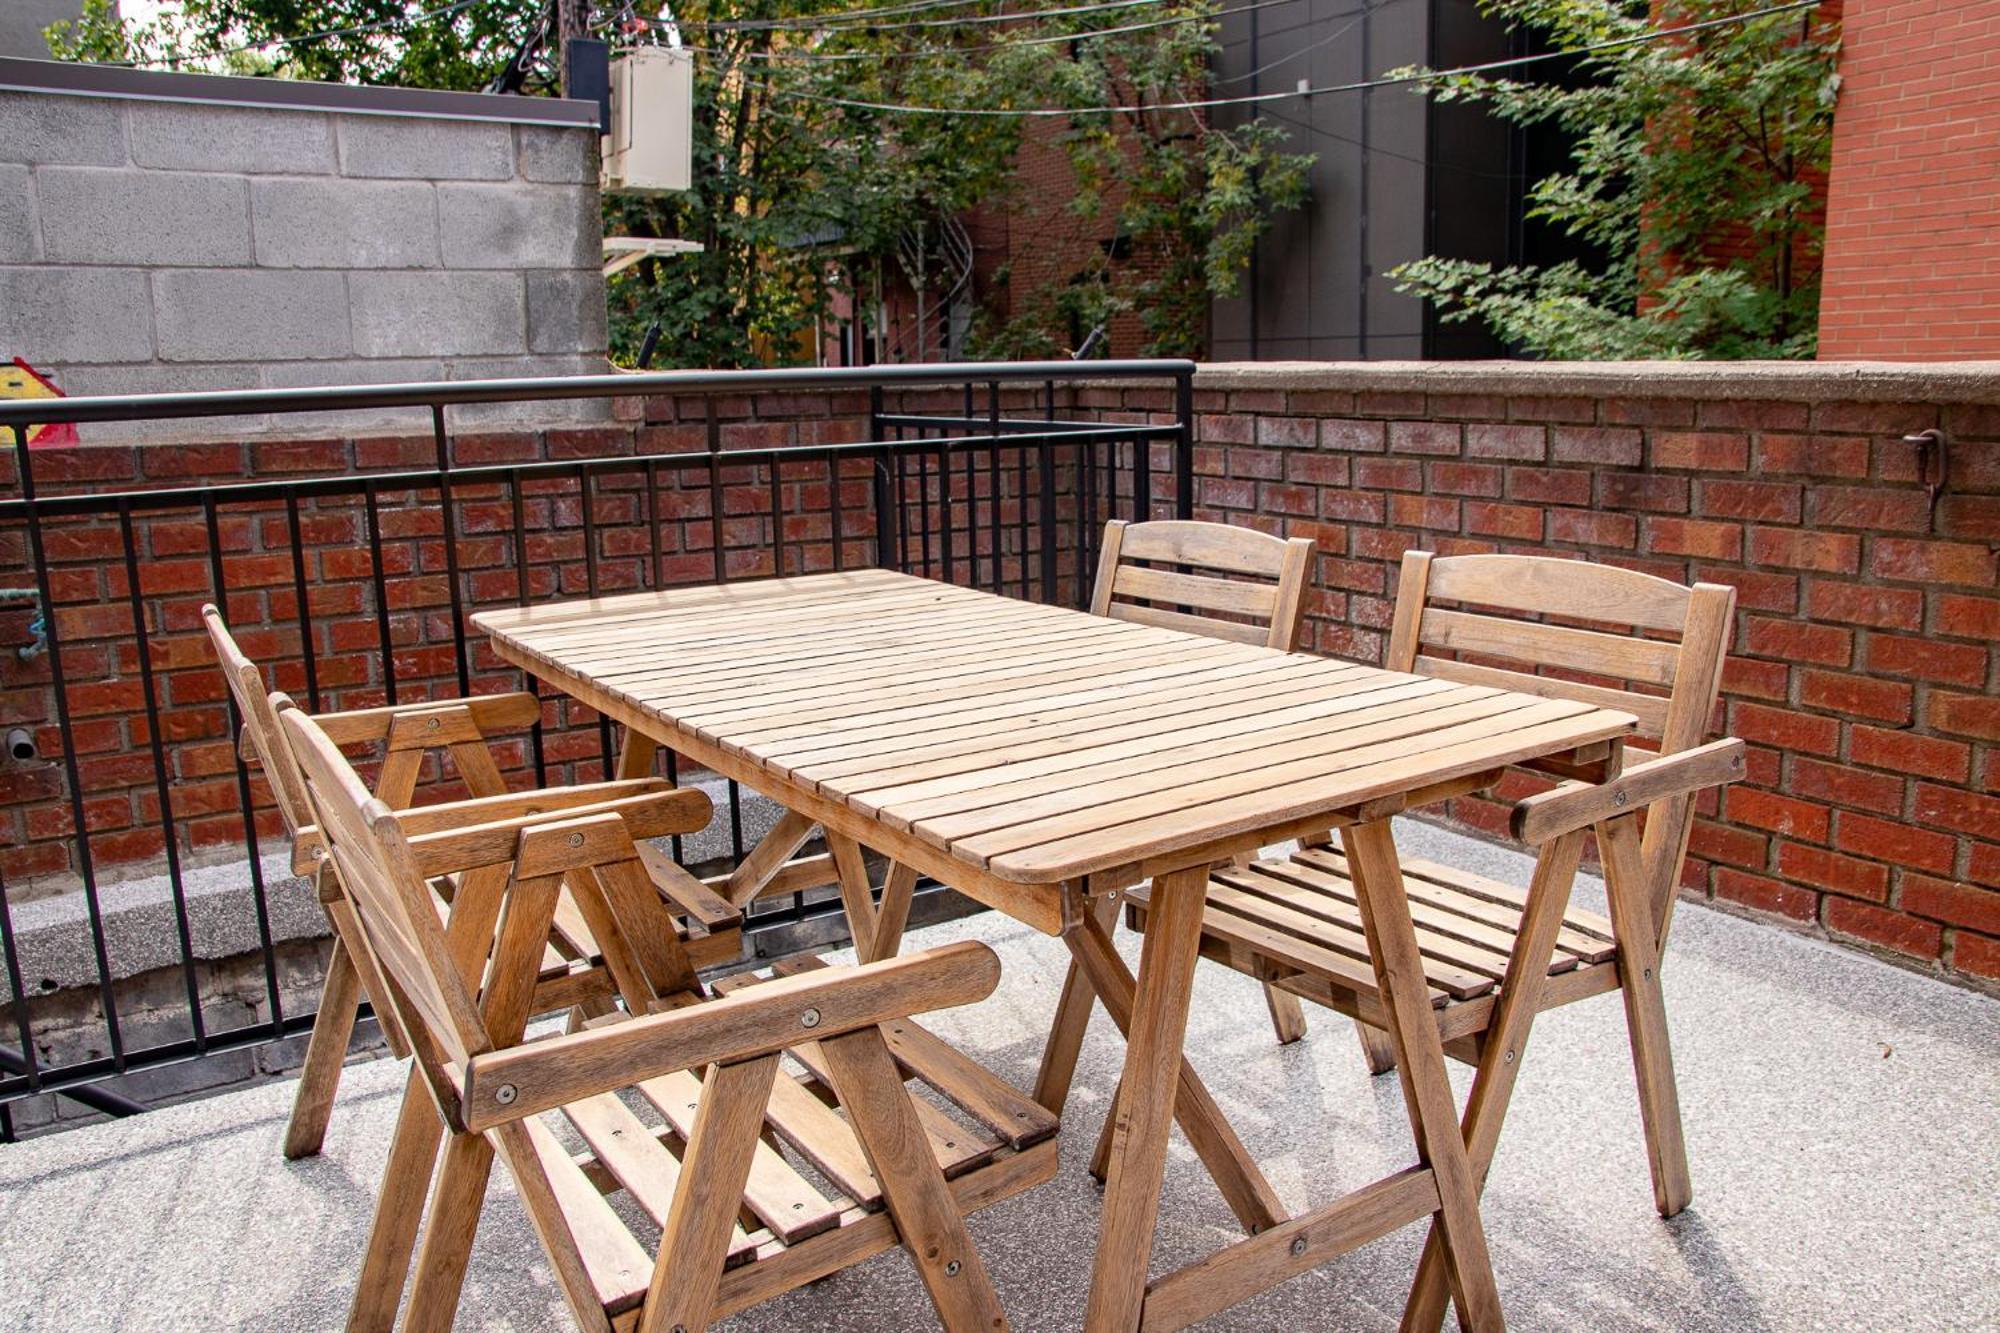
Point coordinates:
[[18, 995], [887, 511], [382, 634], [945, 534], [1184, 444], [971, 518], [142, 644], [443, 443], [655, 524], [24, 471], [1045, 508], [259, 897], [834, 512], [924, 508], [587, 515], [516, 484], [778, 522], [993, 478], [1142, 478], [714, 429], [308, 651]]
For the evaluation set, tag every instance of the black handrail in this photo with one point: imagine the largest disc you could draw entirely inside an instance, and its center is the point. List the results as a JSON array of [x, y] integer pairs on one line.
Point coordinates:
[[350, 398]]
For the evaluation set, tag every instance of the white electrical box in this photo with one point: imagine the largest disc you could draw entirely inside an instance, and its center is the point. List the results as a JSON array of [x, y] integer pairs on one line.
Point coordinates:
[[649, 149]]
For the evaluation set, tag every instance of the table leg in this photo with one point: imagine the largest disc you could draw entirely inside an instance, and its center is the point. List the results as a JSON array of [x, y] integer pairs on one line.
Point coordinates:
[[636, 757], [1072, 1018], [1399, 972], [1243, 1186], [1506, 1048], [877, 928], [1145, 1110]]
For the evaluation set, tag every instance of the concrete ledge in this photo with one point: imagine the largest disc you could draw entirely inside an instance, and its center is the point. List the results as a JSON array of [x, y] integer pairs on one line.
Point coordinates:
[[1797, 381], [90, 80]]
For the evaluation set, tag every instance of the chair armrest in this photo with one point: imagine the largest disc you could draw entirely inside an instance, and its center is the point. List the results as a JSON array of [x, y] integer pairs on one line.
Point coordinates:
[[424, 821], [465, 835], [1576, 804], [758, 1020], [489, 713]]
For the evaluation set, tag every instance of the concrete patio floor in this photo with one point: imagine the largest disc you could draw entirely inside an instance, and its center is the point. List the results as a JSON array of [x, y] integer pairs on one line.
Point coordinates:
[[1843, 1122]]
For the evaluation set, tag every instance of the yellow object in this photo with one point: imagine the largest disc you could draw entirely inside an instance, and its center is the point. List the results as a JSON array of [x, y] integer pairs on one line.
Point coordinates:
[[19, 380]]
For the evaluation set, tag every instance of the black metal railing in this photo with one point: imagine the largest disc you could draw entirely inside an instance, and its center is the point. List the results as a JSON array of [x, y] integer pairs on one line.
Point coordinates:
[[990, 475]]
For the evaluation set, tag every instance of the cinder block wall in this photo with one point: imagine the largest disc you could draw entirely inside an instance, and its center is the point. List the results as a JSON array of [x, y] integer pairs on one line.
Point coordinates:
[[151, 245]]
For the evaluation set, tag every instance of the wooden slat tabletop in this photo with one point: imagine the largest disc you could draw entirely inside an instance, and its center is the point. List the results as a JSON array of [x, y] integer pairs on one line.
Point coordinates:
[[1036, 742]]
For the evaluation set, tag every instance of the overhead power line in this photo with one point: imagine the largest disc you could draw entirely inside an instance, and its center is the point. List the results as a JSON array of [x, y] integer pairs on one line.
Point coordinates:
[[1252, 99], [817, 22], [811, 57]]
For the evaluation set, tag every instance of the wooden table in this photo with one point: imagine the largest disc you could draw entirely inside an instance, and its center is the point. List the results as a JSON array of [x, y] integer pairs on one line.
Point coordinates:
[[1041, 761]]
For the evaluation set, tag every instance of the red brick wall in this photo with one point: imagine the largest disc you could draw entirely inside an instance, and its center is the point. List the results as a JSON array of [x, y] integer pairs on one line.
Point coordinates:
[[1864, 665], [1912, 247]]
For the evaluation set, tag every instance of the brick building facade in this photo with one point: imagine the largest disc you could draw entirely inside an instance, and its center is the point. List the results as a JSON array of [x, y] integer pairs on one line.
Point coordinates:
[[1913, 243]]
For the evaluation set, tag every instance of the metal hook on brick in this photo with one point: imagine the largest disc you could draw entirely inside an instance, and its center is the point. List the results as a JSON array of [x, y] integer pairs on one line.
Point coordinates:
[[1933, 465]]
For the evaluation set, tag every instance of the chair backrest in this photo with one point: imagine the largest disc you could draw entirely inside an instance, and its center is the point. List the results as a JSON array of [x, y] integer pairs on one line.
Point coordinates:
[[260, 723], [393, 903], [1666, 637], [1672, 647], [1238, 583]]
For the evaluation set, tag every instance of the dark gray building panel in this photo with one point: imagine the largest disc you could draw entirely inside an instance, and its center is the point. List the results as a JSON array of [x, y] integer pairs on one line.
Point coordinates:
[[1395, 178]]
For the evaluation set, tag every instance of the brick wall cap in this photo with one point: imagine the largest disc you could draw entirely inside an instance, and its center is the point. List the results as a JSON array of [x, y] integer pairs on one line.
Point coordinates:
[[1792, 381]]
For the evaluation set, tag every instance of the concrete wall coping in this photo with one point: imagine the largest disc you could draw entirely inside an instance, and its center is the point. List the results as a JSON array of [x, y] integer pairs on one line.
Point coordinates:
[[1803, 381], [70, 79]]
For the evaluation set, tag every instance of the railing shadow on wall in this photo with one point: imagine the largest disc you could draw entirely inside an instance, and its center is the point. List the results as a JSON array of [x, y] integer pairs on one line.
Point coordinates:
[[350, 564]]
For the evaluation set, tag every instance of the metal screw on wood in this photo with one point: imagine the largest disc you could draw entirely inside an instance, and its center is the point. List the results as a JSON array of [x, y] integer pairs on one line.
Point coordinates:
[[505, 1094], [431, 722], [951, 1269], [1298, 1245], [576, 840], [1509, 1057], [809, 1019], [1619, 797]]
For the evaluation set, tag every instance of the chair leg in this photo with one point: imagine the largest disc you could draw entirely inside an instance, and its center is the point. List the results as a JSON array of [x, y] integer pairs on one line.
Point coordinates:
[[870, 1087], [406, 1182], [1100, 1156], [447, 1247], [727, 1123], [1645, 1013], [1288, 1018], [1376, 1048], [326, 1051]]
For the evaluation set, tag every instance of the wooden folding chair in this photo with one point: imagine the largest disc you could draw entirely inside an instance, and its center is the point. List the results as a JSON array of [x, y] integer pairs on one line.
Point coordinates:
[[697, 1165], [1210, 579], [709, 927], [1204, 578], [1495, 955]]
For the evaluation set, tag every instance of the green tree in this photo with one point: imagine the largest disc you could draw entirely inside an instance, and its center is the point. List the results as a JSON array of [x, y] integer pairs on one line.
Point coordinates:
[[1187, 196], [801, 189], [1694, 161]]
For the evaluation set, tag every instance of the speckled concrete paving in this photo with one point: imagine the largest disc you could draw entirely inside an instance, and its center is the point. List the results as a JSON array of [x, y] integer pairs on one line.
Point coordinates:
[[1843, 1126]]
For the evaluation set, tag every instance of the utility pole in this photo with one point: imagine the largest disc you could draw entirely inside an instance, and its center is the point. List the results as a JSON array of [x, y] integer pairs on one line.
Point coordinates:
[[572, 20]]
